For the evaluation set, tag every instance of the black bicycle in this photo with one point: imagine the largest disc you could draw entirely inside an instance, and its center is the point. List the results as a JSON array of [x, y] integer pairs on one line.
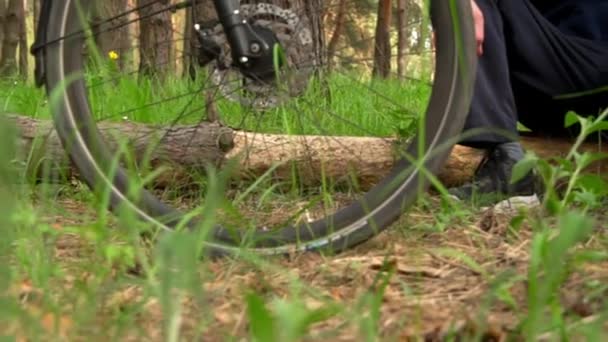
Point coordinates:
[[268, 68]]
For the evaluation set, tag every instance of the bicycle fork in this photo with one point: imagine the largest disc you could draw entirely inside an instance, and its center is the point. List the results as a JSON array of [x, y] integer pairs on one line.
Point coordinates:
[[252, 46]]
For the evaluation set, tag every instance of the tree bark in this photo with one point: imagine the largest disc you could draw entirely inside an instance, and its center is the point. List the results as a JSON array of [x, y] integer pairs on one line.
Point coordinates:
[[382, 48], [23, 46], [416, 17], [365, 159], [36, 7], [14, 13], [402, 35], [2, 21], [314, 10], [187, 57], [155, 38], [409, 21], [339, 27]]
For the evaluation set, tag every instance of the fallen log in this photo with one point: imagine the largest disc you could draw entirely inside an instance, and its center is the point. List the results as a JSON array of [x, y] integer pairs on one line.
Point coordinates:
[[188, 149], [179, 146]]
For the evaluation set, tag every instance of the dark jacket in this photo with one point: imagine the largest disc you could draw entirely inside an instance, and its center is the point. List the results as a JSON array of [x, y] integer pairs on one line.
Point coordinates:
[[582, 18]]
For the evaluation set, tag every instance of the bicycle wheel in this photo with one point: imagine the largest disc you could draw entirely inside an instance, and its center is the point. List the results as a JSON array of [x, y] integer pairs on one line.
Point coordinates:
[[334, 219]]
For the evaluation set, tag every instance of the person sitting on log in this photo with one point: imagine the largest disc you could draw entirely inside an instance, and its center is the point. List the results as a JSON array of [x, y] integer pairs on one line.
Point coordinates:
[[531, 54]]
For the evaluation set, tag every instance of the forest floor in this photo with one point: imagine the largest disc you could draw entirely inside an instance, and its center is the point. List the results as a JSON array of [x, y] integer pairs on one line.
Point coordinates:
[[429, 276]]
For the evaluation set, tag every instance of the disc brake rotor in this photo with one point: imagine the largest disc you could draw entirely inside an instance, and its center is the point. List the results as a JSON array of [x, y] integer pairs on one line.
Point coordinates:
[[297, 49]]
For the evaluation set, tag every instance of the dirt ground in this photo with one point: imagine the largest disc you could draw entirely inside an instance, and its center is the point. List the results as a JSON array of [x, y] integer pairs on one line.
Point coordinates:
[[440, 282]]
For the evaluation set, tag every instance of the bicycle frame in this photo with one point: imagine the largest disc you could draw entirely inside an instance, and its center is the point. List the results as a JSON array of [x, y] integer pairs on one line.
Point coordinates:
[[246, 45], [37, 49]]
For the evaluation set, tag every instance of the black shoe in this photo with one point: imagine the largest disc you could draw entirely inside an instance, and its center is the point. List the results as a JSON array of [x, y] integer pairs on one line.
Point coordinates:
[[492, 182]]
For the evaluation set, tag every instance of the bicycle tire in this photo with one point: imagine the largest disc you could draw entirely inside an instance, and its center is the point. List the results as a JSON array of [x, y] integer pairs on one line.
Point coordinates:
[[382, 205]]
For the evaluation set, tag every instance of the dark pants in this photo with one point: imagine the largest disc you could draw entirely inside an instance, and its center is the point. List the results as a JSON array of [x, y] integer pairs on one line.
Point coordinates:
[[529, 63]]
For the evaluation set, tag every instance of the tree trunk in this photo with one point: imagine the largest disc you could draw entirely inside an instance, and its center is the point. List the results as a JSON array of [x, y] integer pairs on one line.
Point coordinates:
[[12, 19], [155, 38], [382, 48], [314, 10], [409, 20], [187, 57], [110, 37], [36, 6], [367, 160], [402, 36], [335, 37], [416, 17], [2, 21], [23, 46]]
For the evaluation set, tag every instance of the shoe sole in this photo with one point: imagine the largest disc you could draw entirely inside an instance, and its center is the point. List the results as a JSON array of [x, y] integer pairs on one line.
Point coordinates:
[[512, 204]]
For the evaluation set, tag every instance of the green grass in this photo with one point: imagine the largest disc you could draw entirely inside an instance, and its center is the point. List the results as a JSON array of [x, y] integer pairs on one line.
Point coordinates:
[[355, 105], [23, 98]]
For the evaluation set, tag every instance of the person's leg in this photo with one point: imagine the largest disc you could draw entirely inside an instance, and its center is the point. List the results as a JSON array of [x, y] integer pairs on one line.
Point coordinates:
[[492, 118], [580, 18], [541, 63], [527, 64], [545, 63], [492, 121]]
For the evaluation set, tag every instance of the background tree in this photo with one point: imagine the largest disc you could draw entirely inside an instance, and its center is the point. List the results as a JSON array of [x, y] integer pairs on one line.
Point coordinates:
[[110, 36], [339, 23], [410, 25], [350, 32], [13, 22], [155, 38], [419, 25], [36, 12], [315, 11], [382, 44], [23, 45], [187, 50], [402, 35], [2, 21]]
